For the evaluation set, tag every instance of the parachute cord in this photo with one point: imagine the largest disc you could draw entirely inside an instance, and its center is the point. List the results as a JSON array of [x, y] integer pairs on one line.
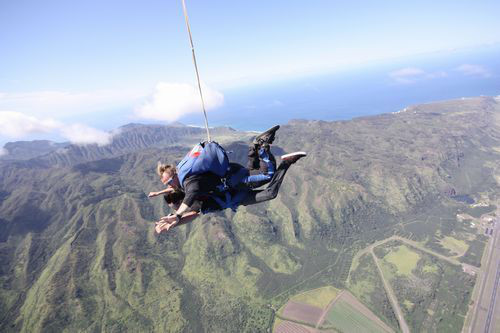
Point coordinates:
[[196, 68]]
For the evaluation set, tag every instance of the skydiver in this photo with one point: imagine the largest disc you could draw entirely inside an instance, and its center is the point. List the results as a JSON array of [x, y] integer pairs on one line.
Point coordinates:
[[230, 198], [261, 167]]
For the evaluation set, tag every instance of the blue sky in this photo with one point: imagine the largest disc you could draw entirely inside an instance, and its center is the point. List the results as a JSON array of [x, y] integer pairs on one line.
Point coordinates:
[[63, 60]]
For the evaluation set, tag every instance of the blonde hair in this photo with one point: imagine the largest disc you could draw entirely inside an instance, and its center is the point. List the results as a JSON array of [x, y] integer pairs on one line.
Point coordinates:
[[168, 168]]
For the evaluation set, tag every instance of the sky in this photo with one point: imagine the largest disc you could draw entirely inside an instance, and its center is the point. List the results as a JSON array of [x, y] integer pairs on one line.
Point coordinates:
[[65, 62]]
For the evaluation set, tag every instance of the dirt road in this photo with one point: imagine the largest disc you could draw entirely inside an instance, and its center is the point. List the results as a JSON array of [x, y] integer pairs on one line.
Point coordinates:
[[392, 298], [390, 293]]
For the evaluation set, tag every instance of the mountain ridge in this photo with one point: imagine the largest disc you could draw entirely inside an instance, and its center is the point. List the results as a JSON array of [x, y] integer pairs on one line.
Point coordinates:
[[127, 138]]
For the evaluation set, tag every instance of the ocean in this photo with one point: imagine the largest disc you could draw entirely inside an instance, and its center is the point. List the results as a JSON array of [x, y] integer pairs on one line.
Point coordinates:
[[368, 90]]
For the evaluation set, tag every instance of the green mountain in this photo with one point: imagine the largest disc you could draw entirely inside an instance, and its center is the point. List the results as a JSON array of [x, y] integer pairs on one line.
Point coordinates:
[[25, 150], [78, 251]]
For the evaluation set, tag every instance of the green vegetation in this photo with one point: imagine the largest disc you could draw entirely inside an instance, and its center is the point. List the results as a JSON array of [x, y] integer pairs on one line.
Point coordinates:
[[408, 305], [260, 236], [403, 258], [434, 296], [480, 210], [440, 230], [430, 268], [277, 321], [365, 283], [456, 246], [320, 297], [475, 251], [345, 318]]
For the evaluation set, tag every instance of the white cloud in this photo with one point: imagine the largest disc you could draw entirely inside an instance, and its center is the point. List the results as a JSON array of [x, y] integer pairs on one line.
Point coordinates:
[[3, 151], [437, 75], [473, 70], [171, 101], [17, 125], [407, 75], [276, 103], [410, 75], [58, 103], [82, 134], [409, 71]]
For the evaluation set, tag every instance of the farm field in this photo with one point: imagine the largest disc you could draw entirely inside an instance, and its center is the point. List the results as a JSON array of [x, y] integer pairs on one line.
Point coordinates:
[[301, 312], [291, 327], [320, 297], [318, 310], [350, 315]]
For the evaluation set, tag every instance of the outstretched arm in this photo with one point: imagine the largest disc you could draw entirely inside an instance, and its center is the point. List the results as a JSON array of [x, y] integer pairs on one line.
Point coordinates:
[[170, 221], [182, 209], [165, 191]]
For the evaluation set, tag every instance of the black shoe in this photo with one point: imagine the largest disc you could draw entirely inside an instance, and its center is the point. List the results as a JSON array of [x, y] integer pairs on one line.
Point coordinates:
[[253, 157], [293, 157], [266, 137]]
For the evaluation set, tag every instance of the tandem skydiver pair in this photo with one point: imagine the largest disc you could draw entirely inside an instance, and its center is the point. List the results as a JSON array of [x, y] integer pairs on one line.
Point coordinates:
[[205, 181]]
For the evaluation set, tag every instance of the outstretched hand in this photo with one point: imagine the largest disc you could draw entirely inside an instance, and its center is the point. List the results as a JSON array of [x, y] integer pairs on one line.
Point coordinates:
[[163, 226], [153, 194], [170, 221], [166, 223]]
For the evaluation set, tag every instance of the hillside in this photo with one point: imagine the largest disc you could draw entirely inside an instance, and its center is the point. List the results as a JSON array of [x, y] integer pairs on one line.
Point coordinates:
[[78, 251]]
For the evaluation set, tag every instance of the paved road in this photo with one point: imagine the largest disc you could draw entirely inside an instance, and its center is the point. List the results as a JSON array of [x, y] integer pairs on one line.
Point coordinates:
[[493, 301], [484, 318]]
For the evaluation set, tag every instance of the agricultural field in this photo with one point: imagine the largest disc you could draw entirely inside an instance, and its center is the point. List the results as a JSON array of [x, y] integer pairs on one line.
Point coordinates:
[[348, 315], [307, 307], [433, 294], [320, 297], [301, 312], [327, 309], [291, 327]]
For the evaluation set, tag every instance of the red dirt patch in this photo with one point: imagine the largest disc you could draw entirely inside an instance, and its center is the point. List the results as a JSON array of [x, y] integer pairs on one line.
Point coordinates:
[[302, 312], [289, 327]]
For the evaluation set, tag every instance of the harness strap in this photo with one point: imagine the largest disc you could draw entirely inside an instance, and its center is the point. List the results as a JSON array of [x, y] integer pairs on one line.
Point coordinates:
[[228, 203]]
